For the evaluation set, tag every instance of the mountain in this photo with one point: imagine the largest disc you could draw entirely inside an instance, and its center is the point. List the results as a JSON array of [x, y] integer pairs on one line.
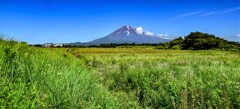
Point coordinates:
[[127, 34]]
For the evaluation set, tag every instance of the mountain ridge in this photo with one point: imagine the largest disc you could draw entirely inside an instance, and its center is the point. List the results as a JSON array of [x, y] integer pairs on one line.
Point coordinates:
[[126, 34]]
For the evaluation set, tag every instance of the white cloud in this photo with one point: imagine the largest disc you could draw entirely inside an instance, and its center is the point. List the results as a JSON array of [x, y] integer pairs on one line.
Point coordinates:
[[238, 35], [139, 30], [163, 36], [149, 33], [160, 35]]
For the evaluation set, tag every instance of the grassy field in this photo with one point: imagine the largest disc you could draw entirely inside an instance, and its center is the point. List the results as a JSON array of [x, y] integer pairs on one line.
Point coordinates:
[[117, 78]]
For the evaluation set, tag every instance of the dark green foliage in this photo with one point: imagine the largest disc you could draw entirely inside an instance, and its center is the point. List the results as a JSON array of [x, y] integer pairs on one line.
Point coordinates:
[[176, 43], [203, 41]]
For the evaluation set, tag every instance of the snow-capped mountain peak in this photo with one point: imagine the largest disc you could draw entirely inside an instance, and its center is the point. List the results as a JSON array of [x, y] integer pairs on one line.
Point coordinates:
[[128, 27], [125, 30], [128, 34]]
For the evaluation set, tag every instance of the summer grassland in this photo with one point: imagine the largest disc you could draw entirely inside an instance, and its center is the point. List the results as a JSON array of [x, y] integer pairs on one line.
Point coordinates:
[[117, 78]]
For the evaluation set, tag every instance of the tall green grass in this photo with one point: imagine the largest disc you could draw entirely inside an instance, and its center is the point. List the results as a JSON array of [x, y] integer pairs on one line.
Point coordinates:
[[117, 78], [33, 78], [184, 79]]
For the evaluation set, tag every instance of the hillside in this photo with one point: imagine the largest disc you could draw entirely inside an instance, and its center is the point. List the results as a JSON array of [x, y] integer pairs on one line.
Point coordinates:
[[202, 41]]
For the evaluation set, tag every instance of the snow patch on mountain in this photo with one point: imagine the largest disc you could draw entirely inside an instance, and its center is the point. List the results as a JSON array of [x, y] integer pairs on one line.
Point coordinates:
[[128, 27], [128, 33]]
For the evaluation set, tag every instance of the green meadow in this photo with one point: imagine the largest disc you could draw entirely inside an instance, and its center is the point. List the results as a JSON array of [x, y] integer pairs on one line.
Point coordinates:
[[120, 78]]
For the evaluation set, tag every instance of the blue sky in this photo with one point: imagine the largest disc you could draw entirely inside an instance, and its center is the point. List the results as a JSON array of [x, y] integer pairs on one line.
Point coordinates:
[[59, 21]]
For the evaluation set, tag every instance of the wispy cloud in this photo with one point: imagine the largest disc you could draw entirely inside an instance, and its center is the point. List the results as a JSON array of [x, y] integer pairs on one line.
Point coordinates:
[[231, 10], [221, 12], [206, 13], [209, 13], [186, 15]]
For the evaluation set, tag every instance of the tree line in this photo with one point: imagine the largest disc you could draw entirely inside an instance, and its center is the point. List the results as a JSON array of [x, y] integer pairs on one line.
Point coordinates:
[[193, 41]]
